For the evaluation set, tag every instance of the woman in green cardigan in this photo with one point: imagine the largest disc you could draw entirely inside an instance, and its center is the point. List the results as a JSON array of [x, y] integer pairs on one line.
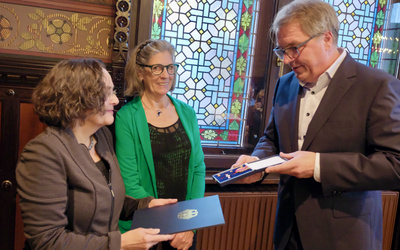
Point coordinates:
[[157, 136]]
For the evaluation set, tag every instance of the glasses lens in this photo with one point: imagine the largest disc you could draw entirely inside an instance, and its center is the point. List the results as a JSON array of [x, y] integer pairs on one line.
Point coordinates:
[[157, 69], [279, 53], [292, 52], [172, 69]]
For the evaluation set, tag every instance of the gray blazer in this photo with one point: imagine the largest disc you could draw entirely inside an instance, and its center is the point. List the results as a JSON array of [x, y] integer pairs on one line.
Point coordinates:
[[66, 202], [356, 128]]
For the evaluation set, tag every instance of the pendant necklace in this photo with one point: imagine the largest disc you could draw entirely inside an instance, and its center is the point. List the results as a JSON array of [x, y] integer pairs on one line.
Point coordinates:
[[91, 143], [159, 111]]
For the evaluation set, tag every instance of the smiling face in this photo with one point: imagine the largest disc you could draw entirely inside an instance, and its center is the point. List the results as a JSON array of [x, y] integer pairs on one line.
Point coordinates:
[[157, 85], [315, 56], [107, 116]]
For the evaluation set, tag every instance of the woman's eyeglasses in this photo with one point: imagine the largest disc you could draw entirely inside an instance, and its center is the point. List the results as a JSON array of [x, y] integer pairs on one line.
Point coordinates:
[[157, 69]]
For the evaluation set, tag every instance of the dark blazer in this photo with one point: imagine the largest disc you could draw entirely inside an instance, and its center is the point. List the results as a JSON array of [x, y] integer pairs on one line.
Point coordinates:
[[66, 202], [356, 130]]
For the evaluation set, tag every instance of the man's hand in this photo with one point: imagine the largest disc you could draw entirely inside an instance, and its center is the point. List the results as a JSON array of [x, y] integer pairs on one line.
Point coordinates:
[[161, 202], [183, 240], [246, 159], [300, 164]]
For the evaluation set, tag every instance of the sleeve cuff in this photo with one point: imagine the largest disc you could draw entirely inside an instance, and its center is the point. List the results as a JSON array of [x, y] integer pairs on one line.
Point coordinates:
[[317, 168]]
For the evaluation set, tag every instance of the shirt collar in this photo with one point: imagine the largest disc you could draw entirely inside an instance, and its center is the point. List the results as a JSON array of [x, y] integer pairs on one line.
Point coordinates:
[[324, 78]]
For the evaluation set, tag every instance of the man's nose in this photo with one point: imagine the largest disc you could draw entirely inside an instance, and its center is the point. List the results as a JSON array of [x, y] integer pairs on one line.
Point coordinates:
[[287, 59]]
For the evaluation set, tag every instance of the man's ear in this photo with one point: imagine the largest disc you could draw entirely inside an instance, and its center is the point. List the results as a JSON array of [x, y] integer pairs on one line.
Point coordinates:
[[328, 39]]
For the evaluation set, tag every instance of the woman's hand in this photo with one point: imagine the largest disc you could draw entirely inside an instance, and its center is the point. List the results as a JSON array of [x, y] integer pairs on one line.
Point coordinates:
[[142, 238], [183, 240], [161, 202]]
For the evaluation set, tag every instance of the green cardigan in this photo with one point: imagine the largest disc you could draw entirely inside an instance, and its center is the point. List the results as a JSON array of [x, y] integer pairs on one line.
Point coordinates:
[[133, 148]]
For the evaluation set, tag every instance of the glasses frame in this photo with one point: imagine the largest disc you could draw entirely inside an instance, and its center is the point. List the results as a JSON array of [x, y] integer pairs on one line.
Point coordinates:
[[163, 67], [296, 48]]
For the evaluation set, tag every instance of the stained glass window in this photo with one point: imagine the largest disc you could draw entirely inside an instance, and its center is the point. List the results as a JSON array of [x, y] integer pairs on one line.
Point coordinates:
[[364, 32], [213, 41]]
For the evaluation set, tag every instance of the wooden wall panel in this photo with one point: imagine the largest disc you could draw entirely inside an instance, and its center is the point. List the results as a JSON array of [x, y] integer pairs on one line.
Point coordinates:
[[250, 218], [29, 127], [389, 207], [0, 118], [249, 223], [57, 30]]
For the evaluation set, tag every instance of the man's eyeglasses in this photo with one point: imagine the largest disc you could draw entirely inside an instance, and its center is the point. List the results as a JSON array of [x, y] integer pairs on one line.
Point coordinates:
[[291, 52], [157, 69]]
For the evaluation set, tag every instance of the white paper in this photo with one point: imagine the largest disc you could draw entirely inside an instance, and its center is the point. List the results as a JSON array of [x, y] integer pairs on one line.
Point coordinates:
[[264, 163]]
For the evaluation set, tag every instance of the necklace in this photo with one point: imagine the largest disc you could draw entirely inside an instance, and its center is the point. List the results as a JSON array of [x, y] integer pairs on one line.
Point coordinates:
[[159, 111], [91, 143]]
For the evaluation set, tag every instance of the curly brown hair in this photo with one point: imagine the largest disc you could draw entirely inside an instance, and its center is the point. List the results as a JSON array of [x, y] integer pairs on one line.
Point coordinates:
[[71, 91], [142, 54]]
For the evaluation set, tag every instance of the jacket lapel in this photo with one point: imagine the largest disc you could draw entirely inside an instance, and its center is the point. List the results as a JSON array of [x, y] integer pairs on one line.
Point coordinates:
[[78, 152], [293, 109], [339, 85], [140, 121]]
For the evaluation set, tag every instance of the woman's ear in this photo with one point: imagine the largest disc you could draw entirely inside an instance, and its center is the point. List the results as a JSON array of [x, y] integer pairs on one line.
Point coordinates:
[[140, 76]]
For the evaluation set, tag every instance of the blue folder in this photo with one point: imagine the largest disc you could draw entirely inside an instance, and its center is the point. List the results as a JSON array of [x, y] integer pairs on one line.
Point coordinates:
[[181, 216]]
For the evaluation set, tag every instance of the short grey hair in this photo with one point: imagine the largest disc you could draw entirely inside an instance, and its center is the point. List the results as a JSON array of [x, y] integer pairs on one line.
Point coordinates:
[[314, 16], [142, 54]]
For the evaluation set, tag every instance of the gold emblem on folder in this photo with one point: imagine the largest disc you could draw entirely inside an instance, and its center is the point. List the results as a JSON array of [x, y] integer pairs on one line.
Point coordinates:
[[187, 214]]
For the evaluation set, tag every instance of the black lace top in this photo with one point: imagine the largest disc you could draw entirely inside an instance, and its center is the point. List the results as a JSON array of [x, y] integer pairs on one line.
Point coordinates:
[[171, 152]]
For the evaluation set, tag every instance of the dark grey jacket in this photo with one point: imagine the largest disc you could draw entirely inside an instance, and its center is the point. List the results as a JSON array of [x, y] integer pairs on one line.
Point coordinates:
[[65, 200], [356, 129]]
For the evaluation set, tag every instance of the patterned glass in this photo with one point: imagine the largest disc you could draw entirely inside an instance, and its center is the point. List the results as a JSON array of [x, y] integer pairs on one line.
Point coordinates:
[[367, 32], [213, 41]]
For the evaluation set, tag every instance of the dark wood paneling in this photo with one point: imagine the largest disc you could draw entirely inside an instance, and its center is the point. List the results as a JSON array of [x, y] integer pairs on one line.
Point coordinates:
[[396, 232], [30, 126], [0, 118], [250, 217], [10, 97], [389, 207], [249, 220]]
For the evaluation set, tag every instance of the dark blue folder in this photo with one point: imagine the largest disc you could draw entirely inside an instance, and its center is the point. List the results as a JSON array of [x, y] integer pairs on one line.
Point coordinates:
[[181, 216]]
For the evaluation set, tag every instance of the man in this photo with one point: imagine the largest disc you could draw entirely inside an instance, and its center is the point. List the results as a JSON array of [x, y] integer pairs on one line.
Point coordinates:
[[338, 124]]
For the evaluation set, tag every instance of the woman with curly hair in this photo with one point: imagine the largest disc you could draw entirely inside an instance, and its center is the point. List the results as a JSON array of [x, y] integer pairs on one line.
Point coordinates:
[[71, 189]]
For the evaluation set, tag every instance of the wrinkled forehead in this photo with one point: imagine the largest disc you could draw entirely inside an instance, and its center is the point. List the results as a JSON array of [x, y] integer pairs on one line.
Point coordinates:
[[290, 34]]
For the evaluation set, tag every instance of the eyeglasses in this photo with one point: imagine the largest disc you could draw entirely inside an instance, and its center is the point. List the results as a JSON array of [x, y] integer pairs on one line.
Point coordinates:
[[291, 52], [157, 69]]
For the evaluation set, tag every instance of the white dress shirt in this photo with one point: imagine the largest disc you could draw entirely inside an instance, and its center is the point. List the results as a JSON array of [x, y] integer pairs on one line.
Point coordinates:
[[311, 97]]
